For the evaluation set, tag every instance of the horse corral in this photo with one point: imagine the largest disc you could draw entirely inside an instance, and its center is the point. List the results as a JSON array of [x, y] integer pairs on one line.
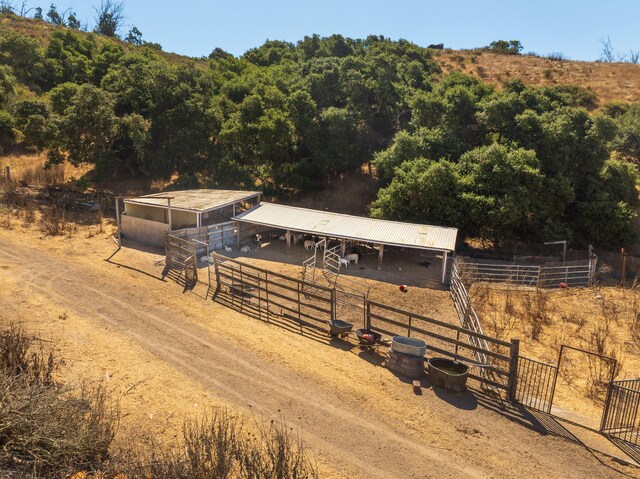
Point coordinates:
[[294, 278]]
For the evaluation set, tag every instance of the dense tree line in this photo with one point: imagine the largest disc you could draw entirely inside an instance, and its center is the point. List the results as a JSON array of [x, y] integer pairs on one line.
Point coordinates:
[[510, 163]]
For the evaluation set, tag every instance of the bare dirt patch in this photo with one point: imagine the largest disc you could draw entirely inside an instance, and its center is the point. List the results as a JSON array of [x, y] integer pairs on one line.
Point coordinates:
[[172, 350]]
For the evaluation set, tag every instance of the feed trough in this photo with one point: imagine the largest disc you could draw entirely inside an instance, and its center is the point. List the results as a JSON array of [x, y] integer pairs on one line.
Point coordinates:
[[448, 374], [338, 327], [409, 346]]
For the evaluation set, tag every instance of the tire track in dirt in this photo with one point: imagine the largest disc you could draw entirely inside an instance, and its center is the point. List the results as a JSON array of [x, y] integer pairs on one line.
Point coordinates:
[[330, 424]]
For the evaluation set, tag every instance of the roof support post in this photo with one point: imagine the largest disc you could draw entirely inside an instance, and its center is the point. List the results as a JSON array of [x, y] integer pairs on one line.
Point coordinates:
[[380, 255], [238, 227], [288, 236], [118, 222], [169, 208], [343, 247], [198, 220], [444, 265]]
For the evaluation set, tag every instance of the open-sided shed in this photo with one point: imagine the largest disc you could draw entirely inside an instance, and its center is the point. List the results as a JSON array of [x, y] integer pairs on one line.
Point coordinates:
[[147, 218], [379, 233]]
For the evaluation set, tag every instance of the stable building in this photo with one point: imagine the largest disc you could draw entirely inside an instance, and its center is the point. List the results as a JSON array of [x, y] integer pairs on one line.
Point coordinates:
[[357, 229], [146, 219]]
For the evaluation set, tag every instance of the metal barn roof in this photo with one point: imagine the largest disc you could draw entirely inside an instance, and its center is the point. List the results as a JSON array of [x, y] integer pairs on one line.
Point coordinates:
[[198, 201], [336, 225]]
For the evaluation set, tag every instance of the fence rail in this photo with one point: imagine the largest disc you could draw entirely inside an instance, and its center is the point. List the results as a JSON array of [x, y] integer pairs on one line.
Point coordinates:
[[272, 294], [549, 275], [447, 340], [467, 314], [621, 418], [216, 236]]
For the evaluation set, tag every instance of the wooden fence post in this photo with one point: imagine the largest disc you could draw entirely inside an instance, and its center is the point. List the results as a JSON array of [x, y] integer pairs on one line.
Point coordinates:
[[623, 266], [367, 317], [513, 369], [7, 174], [333, 304]]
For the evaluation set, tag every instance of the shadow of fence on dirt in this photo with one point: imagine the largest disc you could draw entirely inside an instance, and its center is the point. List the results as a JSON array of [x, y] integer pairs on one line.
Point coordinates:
[[547, 424]]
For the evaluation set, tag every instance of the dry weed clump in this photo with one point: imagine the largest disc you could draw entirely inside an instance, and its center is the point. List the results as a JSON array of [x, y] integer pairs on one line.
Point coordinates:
[[31, 170], [538, 310], [53, 222], [503, 308], [5, 219], [19, 357], [496, 315], [221, 446], [632, 298], [46, 429], [41, 176]]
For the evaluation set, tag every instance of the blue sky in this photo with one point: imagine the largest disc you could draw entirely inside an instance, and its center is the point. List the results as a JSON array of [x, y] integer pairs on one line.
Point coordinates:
[[570, 26]]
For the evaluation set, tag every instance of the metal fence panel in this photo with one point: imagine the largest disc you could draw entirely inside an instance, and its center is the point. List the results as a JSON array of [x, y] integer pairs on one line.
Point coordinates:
[[536, 383], [621, 417]]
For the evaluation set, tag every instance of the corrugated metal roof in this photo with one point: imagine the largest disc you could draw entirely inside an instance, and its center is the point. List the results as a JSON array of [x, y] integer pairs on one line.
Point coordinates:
[[336, 225], [195, 200]]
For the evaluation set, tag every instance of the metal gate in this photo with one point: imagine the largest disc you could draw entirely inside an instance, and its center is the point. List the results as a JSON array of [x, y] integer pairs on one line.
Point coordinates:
[[621, 417], [181, 255], [536, 384]]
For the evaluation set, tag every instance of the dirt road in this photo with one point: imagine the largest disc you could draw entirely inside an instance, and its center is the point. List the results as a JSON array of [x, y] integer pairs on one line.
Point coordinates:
[[353, 435]]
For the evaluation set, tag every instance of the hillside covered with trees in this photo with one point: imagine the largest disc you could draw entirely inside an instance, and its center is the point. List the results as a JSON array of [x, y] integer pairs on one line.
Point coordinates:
[[504, 163]]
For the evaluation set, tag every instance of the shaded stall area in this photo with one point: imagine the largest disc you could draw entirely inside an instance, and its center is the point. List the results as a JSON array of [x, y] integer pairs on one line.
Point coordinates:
[[312, 227]]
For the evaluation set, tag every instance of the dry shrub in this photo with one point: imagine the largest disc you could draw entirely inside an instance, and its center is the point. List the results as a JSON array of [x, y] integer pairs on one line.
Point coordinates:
[[220, 446], [28, 213], [634, 306], [46, 429], [53, 222], [495, 308], [5, 221], [19, 356], [602, 370], [538, 311]]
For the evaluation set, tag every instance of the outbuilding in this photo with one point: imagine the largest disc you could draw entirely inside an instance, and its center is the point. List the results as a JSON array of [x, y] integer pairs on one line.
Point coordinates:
[[146, 219], [359, 229]]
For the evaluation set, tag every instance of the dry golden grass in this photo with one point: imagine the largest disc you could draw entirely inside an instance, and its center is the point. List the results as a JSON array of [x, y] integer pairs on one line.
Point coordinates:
[[602, 320], [30, 169], [608, 81]]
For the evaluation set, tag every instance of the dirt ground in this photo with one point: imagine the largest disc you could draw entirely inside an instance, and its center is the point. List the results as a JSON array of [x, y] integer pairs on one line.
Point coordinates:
[[168, 355], [598, 319]]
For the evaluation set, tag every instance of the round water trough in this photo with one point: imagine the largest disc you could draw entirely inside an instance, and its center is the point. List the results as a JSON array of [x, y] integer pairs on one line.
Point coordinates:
[[410, 346], [448, 374]]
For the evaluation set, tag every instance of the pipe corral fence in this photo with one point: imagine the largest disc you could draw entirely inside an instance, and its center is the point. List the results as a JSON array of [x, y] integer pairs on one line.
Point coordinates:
[[494, 363], [550, 275], [269, 295]]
